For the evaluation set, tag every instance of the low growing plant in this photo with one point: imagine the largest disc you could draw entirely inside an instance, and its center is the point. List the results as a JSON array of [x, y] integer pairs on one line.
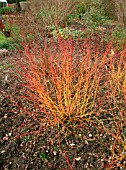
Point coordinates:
[[6, 10], [8, 44], [66, 32]]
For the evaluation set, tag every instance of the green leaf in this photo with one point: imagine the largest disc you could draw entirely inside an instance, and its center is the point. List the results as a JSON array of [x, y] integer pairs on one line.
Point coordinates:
[[43, 156]]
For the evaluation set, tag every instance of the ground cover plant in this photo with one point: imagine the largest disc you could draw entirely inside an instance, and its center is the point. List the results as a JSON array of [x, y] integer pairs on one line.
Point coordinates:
[[7, 43], [63, 101], [6, 10]]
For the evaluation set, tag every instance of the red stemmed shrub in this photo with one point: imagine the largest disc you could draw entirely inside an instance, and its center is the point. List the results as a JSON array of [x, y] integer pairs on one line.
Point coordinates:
[[79, 86], [63, 77]]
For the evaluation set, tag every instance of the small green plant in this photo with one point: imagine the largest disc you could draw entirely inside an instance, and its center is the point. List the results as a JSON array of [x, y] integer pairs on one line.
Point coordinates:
[[6, 10], [91, 12], [66, 32], [13, 27], [81, 9], [4, 44], [43, 156], [8, 44], [70, 17], [119, 34], [27, 138]]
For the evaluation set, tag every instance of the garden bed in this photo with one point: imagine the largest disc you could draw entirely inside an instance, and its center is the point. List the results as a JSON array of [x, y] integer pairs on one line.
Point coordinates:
[[27, 145], [63, 96]]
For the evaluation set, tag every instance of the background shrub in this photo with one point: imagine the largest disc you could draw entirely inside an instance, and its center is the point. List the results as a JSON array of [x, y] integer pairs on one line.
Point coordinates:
[[7, 43], [53, 11], [91, 12], [6, 10]]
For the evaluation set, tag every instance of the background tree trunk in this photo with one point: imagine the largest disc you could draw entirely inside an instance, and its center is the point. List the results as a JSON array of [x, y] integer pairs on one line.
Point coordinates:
[[18, 5]]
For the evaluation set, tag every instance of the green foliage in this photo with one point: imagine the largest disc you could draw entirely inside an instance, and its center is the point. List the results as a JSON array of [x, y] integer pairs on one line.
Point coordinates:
[[7, 43], [119, 34], [6, 10], [11, 1], [81, 9], [2, 37], [14, 1], [27, 138], [66, 32], [3, 45], [91, 12], [17, 2], [15, 31], [43, 156], [70, 18]]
